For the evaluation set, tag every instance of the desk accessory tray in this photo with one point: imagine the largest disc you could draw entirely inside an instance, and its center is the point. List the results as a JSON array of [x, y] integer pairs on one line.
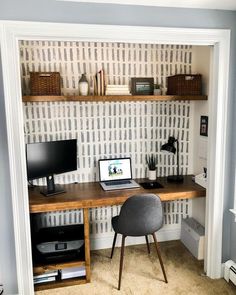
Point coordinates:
[[151, 185]]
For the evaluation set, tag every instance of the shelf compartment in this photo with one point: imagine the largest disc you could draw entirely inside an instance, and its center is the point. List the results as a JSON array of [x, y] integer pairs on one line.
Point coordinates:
[[39, 269], [106, 98]]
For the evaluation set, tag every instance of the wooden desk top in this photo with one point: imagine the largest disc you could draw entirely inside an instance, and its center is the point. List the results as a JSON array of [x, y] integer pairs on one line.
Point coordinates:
[[90, 194]]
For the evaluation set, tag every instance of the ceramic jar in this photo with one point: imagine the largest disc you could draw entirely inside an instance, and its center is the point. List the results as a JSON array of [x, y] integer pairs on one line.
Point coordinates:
[[152, 174], [157, 91]]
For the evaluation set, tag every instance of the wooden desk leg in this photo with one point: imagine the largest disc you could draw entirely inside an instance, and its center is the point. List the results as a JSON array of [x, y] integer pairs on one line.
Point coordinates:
[[87, 244]]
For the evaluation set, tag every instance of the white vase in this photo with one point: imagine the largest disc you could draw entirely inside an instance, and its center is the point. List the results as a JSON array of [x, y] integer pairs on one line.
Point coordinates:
[[152, 174], [83, 85]]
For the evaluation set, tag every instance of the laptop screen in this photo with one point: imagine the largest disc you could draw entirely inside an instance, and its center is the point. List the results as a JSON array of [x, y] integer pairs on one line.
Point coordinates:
[[114, 169]]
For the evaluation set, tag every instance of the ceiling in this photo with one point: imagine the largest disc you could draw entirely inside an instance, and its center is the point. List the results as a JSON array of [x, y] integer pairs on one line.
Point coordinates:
[[202, 4]]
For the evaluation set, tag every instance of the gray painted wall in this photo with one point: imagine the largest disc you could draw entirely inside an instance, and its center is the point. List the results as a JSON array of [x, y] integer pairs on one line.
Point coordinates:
[[52, 11]]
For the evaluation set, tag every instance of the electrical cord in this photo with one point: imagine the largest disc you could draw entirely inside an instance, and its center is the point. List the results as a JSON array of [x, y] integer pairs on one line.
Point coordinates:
[[32, 186], [1, 289]]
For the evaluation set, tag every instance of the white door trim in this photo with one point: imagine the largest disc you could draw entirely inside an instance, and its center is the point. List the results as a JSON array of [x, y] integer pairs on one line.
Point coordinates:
[[12, 32]]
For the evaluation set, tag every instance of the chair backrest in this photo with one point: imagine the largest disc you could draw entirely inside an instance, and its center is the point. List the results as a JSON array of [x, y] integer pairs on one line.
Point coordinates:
[[140, 215]]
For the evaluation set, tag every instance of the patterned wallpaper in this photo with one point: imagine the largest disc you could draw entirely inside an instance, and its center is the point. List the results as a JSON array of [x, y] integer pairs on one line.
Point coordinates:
[[110, 129], [120, 61], [116, 129]]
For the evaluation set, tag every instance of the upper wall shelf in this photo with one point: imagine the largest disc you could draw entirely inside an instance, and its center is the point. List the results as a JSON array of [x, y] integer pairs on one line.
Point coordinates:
[[105, 98]]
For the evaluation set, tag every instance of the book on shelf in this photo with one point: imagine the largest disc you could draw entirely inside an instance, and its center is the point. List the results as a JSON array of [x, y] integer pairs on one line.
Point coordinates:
[[99, 83], [117, 93], [117, 90], [44, 280], [95, 85], [73, 272], [47, 274], [102, 81], [118, 86]]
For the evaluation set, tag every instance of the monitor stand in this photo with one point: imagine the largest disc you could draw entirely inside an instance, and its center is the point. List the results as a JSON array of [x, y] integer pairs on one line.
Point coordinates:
[[51, 189]]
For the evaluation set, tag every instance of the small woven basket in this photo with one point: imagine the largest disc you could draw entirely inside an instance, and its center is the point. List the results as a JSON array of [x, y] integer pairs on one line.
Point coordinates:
[[184, 85], [45, 83]]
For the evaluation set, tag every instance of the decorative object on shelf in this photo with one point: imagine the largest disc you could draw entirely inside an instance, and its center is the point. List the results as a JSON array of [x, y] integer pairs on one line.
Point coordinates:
[[157, 89], [142, 86], [184, 85], [169, 147], [45, 83], [204, 125], [163, 90], [151, 161], [83, 85]]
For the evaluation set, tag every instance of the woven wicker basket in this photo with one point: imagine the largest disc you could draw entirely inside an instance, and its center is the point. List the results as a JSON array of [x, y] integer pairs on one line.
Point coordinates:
[[184, 85], [45, 83]]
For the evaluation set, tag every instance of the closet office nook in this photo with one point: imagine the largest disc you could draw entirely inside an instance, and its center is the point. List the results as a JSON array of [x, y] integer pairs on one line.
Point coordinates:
[[115, 126]]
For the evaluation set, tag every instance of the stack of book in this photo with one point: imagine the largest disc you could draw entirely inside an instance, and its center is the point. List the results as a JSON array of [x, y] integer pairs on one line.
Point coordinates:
[[73, 272], [46, 277], [99, 83], [117, 90]]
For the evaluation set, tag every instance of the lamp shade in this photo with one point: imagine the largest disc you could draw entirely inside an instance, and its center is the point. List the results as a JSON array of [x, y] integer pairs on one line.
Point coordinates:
[[169, 146]]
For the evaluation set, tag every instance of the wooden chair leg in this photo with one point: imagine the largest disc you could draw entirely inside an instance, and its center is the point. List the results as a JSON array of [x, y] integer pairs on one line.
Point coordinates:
[[121, 260], [113, 244], [148, 248], [159, 256]]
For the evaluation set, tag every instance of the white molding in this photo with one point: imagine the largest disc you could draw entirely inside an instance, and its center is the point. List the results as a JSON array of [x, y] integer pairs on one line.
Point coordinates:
[[234, 210], [202, 4], [16, 151], [11, 32], [217, 154], [112, 33]]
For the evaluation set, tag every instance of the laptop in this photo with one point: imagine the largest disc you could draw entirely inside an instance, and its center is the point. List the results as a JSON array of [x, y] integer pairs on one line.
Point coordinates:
[[116, 174]]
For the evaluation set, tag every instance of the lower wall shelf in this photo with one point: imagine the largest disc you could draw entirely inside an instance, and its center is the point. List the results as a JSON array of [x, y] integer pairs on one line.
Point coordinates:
[[42, 268]]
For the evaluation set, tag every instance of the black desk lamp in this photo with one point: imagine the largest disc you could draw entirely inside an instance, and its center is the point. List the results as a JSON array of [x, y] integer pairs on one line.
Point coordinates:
[[169, 147]]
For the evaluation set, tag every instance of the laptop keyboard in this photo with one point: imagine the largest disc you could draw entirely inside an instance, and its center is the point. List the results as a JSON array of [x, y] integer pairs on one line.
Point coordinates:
[[117, 182]]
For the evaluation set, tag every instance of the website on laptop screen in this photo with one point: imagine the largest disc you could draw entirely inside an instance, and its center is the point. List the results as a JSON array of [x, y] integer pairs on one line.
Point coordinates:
[[115, 169]]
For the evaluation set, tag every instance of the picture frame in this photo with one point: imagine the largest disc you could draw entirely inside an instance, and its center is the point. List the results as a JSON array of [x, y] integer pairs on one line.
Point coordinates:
[[204, 126], [142, 86]]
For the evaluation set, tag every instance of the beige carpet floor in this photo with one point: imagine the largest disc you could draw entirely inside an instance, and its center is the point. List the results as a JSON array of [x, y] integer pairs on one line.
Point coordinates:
[[142, 274]]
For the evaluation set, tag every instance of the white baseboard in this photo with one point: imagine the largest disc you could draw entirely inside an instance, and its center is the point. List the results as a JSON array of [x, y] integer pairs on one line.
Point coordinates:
[[106, 242]]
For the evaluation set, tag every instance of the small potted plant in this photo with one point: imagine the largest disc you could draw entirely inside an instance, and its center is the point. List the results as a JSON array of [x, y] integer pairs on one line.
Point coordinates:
[[151, 161], [157, 89]]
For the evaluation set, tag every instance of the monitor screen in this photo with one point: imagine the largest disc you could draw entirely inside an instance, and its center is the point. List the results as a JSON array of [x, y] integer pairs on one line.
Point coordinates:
[[48, 158], [113, 169]]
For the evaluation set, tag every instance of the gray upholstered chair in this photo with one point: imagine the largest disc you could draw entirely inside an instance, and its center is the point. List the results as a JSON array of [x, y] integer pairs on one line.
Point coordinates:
[[140, 215]]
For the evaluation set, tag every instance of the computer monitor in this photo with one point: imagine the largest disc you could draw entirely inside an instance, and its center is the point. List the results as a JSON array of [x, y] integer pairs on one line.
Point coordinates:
[[44, 159]]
